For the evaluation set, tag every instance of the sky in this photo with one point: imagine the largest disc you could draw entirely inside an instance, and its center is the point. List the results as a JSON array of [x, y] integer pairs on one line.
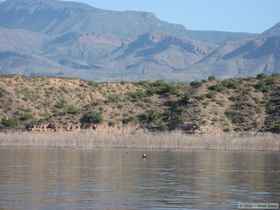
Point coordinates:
[[224, 15]]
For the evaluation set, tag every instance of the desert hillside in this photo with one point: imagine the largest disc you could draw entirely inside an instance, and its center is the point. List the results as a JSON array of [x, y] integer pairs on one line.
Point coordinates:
[[212, 106]]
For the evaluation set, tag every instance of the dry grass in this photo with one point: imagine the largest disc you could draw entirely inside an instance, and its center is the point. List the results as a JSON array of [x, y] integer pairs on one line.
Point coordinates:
[[161, 141]]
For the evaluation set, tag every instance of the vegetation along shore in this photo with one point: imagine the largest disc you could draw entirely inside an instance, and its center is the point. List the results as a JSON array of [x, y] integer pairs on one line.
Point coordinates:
[[121, 114], [209, 107], [142, 141]]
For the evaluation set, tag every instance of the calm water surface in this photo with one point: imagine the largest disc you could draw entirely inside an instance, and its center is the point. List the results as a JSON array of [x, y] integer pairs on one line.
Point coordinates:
[[48, 179]]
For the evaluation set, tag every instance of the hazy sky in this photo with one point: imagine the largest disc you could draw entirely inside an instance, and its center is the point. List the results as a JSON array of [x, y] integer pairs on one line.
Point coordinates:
[[228, 15]]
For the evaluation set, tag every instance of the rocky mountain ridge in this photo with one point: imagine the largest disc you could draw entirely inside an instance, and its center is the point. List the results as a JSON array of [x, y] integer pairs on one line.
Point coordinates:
[[62, 38]]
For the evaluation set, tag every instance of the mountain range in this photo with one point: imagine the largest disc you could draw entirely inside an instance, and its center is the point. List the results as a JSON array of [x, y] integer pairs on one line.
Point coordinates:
[[70, 39]]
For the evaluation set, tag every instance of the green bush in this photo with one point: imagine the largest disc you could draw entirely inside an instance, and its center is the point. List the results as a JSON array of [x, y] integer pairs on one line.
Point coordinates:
[[153, 120], [92, 117], [159, 87], [264, 85], [196, 84], [113, 98], [217, 88], [60, 104], [137, 95], [231, 115], [211, 78], [276, 127], [184, 100], [261, 76], [2, 92], [9, 123], [210, 95], [27, 94], [127, 120], [230, 84], [70, 109], [25, 116], [175, 117], [111, 124], [93, 84]]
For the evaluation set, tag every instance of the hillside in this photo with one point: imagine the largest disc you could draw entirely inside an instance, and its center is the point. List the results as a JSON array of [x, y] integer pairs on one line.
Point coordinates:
[[245, 57], [212, 106]]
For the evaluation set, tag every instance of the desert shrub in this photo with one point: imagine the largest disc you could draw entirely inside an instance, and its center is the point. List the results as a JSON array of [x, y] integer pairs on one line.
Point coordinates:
[[264, 85], [92, 117], [71, 109], [153, 120], [93, 84], [261, 76], [233, 115], [127, 120], [60, 104], [175, 116], [159, 87], [111, 124], [230, 84], [275, 127], [66, 108], [2, 92], [184, 100], [27, 94], [137, 95], [211, 78], [210, 95], [217, 88], [226, 130], [9, 123], [113, 98], [25, 116], [196, 84]]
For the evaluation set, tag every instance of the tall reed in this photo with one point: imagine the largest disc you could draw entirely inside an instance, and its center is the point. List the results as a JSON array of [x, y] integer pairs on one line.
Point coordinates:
[[159, 141]]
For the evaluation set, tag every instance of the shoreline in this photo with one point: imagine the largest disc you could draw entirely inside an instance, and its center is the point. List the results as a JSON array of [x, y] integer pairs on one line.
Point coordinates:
[[161, 141]]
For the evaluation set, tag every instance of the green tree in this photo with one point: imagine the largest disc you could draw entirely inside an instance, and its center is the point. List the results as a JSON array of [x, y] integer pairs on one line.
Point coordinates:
[[9, 123], [92, 117]]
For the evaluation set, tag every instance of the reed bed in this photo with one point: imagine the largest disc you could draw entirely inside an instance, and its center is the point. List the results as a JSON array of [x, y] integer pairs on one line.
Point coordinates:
[[159, 141]]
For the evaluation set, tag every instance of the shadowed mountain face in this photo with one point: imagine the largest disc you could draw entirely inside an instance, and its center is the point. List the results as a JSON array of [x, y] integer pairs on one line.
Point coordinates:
[[244, 57], [51, 37], [59, 17]]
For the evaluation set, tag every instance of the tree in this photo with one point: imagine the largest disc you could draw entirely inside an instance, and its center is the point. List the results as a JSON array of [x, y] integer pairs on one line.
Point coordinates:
[[92, 117]]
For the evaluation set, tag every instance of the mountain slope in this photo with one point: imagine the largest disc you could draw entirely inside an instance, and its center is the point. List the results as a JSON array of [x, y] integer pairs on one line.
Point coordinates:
[[58, 17], [156, 55], [244, 57], [217, 37], [52, 37]]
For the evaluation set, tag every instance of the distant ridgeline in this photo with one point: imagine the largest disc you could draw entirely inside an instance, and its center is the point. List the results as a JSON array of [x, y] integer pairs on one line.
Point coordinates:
[[72, 39], [42, 104]]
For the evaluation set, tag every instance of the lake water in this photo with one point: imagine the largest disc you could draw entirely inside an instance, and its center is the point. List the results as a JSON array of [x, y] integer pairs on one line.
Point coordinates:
[[38, 178]]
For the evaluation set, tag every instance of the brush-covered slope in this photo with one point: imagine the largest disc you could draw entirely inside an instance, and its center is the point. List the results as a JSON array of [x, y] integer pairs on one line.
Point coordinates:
[[212, 107]]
